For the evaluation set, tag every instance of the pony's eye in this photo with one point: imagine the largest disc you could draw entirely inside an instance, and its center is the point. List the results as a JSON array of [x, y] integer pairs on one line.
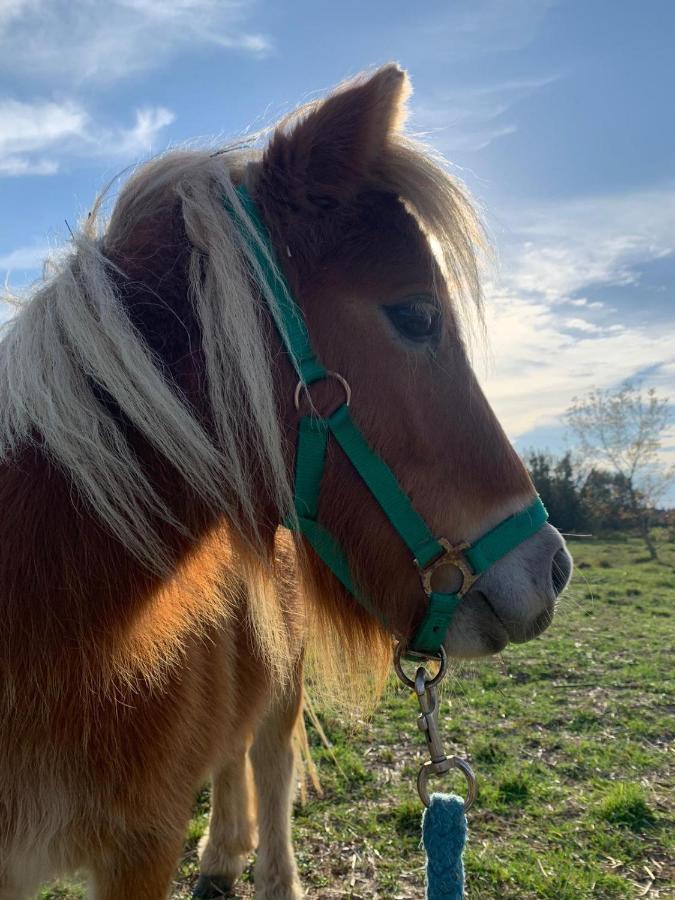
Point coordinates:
[[416, 320]]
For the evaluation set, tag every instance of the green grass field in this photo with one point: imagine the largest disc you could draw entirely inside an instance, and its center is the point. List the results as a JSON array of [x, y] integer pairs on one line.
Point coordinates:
[[569, 736]]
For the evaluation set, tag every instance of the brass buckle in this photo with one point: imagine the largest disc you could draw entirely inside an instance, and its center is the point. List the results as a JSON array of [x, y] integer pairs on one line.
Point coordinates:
[[453, 555]]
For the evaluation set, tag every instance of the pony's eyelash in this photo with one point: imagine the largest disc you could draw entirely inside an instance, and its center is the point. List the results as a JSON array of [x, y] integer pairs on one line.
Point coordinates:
[[416, 319]]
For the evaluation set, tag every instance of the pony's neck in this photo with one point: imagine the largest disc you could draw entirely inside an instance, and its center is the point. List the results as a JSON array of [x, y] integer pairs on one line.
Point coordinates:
[[70, 593]]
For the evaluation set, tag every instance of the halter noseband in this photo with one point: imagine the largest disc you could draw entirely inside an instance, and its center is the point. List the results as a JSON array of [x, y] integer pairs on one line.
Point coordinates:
[[428, 552]]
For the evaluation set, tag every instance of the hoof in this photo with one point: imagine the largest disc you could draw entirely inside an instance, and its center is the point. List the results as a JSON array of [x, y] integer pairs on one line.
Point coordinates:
[[211, 887]]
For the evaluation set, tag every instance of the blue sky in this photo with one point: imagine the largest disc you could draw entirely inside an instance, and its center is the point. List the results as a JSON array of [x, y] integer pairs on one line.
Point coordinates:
[[558, 115]]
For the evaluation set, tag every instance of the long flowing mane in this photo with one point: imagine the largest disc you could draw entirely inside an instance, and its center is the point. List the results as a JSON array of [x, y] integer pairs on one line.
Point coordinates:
[[75, 371], [74, 340]]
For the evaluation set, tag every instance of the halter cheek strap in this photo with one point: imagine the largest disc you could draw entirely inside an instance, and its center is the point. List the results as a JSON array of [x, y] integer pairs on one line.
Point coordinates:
[[314, 432]]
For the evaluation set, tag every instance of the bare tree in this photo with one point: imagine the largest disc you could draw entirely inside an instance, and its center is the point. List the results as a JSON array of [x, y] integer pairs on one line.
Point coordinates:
[[622, 431]]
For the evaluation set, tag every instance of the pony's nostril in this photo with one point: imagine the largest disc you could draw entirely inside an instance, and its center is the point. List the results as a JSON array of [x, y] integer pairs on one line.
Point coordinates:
[[561, 569]]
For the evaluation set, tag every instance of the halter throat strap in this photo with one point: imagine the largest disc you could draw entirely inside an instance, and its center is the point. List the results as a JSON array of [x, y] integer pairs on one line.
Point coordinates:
[[428, 552]]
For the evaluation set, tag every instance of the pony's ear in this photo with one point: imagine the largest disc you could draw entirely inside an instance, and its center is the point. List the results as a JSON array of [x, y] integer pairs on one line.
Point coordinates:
[[323, 155]]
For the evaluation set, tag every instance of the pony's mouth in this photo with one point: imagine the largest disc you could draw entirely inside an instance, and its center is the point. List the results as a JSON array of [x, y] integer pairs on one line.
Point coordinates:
[[522, 632], [474, 596], [476, 629], [494, 631], [480, 630]]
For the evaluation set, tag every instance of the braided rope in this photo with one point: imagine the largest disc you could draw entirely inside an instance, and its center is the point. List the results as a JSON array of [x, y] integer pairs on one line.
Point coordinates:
[[444, 835]]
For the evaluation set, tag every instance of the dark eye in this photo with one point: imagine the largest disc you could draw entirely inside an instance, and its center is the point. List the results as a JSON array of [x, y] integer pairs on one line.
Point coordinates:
[[417, 320]]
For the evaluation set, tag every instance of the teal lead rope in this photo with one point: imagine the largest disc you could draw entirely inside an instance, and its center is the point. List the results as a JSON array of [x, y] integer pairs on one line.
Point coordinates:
[[444, 831], [444, 825]]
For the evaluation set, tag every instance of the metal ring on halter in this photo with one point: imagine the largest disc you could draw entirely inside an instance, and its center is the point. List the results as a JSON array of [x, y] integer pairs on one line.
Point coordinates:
[[409, 682], [336, 375], [453, 555], [458, 763]]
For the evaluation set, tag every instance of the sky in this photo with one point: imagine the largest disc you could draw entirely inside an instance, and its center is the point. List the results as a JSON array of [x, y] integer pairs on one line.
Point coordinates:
[[557, 114]]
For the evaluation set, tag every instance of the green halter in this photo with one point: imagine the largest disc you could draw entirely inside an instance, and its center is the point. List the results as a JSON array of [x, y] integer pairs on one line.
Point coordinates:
[[428, 552]]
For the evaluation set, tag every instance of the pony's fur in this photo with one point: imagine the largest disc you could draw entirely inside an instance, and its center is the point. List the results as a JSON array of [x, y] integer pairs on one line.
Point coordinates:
[[154, 615], [73, 344]]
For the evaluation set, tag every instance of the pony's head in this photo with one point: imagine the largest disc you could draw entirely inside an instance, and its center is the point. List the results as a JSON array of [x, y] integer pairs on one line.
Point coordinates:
[[381, 249], [148, 369]]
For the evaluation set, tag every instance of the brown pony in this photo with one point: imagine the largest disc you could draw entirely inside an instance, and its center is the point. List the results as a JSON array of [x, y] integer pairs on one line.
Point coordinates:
[[154, 616]]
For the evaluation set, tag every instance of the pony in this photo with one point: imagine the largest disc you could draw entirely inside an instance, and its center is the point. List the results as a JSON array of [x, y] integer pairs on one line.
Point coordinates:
[[155, 613]]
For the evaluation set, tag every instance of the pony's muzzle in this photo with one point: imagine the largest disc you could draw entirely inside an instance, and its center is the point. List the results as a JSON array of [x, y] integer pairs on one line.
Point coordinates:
[[515, 600]]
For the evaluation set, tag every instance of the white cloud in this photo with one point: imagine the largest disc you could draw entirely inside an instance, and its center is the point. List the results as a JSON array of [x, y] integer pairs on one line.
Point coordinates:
[[537, 367], [580, 325], [565, 248], [127, 143], [36, 137], [26, 129], [541, 357], [107, 40], [12, 9], [24, 259], [470, 118], [470, 29], [12, 166]]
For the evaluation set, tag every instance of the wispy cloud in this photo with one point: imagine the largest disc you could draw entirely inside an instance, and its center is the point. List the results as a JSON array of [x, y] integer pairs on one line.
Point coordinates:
[[11, 166], [140, 137], [28, 130], [469, 29], [107, 40], [11, 10], [470, 118], [538, 364], [24, 259], [564, 248], [36, 137], [540, 355]]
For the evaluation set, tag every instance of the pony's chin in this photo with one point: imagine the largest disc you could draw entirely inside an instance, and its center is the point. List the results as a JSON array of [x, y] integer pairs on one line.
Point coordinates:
[[477, 629]]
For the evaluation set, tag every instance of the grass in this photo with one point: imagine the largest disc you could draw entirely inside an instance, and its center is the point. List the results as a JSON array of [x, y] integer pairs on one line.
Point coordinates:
[[627, 806], [569, 736]]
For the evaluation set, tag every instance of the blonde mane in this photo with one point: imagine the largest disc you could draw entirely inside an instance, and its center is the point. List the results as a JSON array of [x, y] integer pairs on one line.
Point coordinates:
[[73, 338]]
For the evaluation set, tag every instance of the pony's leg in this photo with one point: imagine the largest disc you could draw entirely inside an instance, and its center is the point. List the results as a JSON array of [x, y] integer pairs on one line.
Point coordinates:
[[142, 868], [273, 759], [231, 833]]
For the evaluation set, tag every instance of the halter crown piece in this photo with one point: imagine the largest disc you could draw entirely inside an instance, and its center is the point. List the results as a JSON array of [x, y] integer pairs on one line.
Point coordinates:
[[428, 552]]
